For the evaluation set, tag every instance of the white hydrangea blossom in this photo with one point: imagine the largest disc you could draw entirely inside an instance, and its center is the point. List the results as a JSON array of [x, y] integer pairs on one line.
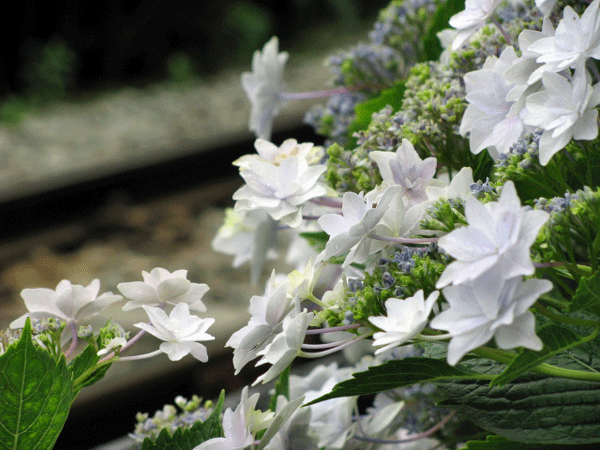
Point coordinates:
[[467, 22], [263, 86], [492, 121], [405, 319], [487, 307], [160, 287], [280, 186], [72, 303], [498, 236], [180, 330], [575, 40], [405, 168], [565, 110]]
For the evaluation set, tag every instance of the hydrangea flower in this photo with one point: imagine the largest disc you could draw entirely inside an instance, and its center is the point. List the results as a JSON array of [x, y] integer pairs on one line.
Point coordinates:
[[263, 86], [349, 232], [499, 235], [467, 22], [248, 236], [279, 187], [565, 110], [267, 314], [575, 40], [545, 6], [267, 151], [72, 303], [160, 287], [487, 307], [491, 120], [405, 168], [405, 319], [180, 330]]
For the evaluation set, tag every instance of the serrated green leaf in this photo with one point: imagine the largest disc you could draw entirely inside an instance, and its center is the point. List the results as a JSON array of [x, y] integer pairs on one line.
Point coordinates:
[[493, 442], [431, 43], [188, 438], [82, 363], [556, 339], [36, 393], [532, 408], [395, 374], [587, 293]]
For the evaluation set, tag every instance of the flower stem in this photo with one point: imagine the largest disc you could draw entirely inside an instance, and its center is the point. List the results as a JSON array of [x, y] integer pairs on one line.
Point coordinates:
[[142, 356], [400, 240], [327, 201], [71, 348], [351, 326], [412, 438], [130, 342], [327, 345], [337, 348], [324, 93], [502, 30]]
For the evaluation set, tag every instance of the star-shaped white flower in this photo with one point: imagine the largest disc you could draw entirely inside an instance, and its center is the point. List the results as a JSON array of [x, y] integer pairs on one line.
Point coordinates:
[[349, 232], [491, 120], [72, 303], [575, 40], [405, 168], [490, 307], [267, 314], [180, 330], [405, 319], [565, 110], [160, 287], [267, 151], [285, 346], [499, 234], [467, 22], [279, 187], [263, 86]]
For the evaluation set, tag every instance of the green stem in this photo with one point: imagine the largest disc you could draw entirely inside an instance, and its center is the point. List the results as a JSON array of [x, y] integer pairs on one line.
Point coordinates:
[[81, 378], [559, 304], [496, 354], [564, 319], [316, 301]]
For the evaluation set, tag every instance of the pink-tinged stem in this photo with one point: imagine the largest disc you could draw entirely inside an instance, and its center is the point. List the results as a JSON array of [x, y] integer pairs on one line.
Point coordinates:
[[400, 240], [548, 264], [327, 345], [130, 342], [327, 201], [337, 348], [415, 437], [323, 93], [71, 348], [351, 326], [502, 30]]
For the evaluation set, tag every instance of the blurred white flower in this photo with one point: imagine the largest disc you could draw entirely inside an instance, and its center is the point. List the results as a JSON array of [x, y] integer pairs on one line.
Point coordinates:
[[263, 86], [467, 22], [405, 168], [487, 307], [499, 234], [292, 423], [545, 6], [72, 303], [279, 187], [180, 330], [405, 319], [460, 186], [565, 110], [575, 40], [267, 151], [285, 346], [349, 232], [248, 236], [160, 287], [492, 121], [267, 314]]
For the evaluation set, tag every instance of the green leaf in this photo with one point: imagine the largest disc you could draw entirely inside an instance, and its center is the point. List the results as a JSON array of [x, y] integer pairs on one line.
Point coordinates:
[[393, 96], [485, 164], [317, 239], [493, 442], [533, 408], [36, 393], [587, 293], [395, 374], [431, 43], [282, 387], [188, 438], [84, 362], [555, 338]]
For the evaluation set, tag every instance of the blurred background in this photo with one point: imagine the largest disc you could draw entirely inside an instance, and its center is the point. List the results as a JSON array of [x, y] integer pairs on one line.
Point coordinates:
[[119, 121]]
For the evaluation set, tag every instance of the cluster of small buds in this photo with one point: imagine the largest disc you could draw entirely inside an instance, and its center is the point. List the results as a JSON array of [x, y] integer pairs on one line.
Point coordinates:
[[522, 156], [8, 337], [556, 204], [171, 419], [377, 64], [334, 118], [480, 188]]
